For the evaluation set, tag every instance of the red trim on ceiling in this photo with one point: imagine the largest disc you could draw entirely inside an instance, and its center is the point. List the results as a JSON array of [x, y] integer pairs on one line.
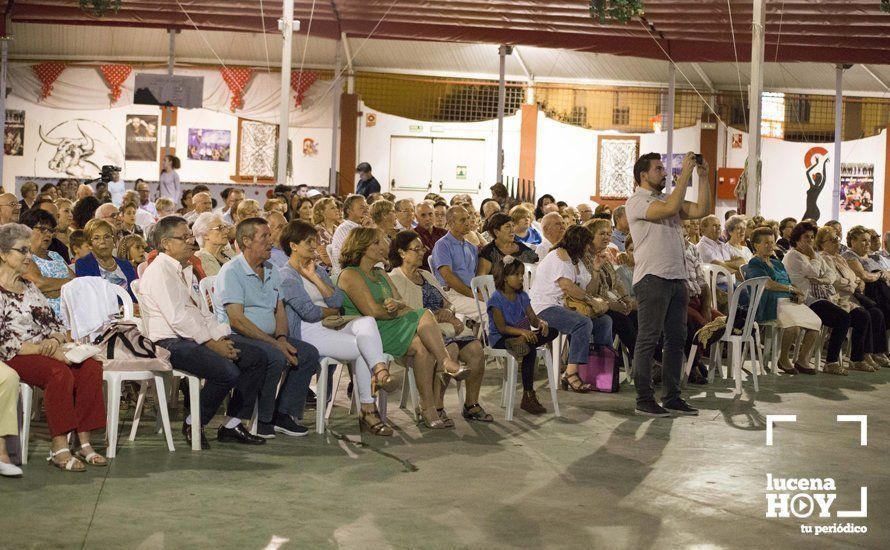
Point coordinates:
[[833, 31]]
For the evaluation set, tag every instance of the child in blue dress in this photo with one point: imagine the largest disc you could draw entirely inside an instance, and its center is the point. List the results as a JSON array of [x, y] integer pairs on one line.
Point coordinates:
[[511, 320]]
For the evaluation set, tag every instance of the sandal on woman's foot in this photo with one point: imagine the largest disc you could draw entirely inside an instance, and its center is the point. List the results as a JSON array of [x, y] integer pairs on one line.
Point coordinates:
[[461, 373], [574, 383], [87, 455], [375, 428], [835, 368], [477, 413], [857, 365], [431, 420], [70, 465], [386, 382], [443, 416]]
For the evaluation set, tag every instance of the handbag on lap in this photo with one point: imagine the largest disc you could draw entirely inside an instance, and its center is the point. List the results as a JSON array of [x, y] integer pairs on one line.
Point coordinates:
[[123, 347]]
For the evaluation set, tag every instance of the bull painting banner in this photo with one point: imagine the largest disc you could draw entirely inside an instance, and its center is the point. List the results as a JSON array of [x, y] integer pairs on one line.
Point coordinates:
[[76, 148], [142, 138]]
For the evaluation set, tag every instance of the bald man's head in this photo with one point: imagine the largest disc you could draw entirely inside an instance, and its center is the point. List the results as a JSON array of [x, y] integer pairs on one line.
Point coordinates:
[[553, 227], [202, 202], [9, 208]]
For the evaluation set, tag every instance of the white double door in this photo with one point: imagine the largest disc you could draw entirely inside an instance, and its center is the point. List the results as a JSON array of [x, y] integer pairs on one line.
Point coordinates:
[[446, 165]]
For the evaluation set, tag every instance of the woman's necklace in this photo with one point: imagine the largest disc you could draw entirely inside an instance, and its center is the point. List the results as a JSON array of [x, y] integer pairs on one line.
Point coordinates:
[[106, 265]]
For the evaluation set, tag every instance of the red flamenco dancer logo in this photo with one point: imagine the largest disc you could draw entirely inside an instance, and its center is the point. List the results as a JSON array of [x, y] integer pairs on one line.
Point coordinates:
[[816, 163]]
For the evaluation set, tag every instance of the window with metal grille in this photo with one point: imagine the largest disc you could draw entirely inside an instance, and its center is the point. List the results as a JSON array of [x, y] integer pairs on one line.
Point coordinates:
[[578, 116], [798, 109], [621, 116]]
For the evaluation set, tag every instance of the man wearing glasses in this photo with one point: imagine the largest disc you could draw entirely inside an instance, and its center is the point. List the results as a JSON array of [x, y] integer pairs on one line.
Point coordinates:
[[10, 209], [198, 343]]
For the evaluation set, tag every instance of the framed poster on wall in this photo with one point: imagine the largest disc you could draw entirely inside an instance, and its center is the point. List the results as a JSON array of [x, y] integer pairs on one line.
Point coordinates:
[[615, 158], [257, 158]]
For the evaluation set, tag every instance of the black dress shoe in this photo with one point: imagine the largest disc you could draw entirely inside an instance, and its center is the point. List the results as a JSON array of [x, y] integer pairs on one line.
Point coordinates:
[[187, 432], [238, 434]]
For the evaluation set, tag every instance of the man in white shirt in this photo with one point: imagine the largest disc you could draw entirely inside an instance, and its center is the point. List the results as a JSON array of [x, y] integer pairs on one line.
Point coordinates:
[[232, 197], [144, 198], [197, 342], [405, 215], [712, 251], [553, 227], [355, 211], [201, 202]]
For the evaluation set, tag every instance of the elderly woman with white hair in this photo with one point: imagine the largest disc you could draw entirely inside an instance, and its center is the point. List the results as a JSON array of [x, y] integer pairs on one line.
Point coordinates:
[[735, 228], [212, 234], [31, 340]]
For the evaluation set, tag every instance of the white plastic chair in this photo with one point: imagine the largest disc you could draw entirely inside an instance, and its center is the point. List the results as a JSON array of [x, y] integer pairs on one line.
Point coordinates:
[[712, 274], [741, 342], [140, 269], [528, 276], [175, 376], [207, 286], [484, 286], [26, 394], [114, 380], [409, 392]]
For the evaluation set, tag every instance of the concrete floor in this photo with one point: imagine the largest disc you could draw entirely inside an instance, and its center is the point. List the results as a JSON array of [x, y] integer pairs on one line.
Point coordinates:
[[599, 477]]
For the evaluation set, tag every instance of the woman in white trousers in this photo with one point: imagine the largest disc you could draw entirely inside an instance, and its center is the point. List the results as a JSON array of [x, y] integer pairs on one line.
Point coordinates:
[[310, 296]]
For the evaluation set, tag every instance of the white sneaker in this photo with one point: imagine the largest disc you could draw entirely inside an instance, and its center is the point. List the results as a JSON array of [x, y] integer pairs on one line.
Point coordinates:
[[10, 470]]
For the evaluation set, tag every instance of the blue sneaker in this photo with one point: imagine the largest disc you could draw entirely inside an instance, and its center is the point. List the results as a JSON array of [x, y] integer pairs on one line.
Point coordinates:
[[285, 424], [266, 430]]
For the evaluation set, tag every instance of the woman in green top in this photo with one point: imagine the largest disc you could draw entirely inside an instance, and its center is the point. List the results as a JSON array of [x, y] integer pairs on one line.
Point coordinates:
[[403, 331]]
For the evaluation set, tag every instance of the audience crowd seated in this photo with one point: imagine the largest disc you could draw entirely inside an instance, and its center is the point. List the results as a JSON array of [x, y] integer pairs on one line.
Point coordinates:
[[371, 277]]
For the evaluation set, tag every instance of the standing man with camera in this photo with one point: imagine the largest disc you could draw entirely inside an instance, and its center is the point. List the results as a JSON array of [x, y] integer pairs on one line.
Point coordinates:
[[660, 275]]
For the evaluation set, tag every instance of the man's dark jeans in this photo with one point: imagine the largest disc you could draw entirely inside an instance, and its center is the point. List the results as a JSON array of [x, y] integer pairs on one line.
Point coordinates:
[[661, 308], [246, 374]]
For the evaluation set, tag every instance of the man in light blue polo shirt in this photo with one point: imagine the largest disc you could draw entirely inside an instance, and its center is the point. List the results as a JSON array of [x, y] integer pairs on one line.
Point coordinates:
[[248, 289], [454, 263]]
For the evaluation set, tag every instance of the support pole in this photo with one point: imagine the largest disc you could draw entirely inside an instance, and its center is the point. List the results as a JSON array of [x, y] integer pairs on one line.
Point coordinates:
[[752, 206], [502, 96], [669, 122], [286, 26], [838, 139], [171, 61], [4, 51], [335, 123]]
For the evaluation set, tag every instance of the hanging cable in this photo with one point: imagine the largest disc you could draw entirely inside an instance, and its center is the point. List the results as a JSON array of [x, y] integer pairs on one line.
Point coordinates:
[[201, 34], [738, 71], [337, 75], [265, 41], [686, 78], [306, 45]]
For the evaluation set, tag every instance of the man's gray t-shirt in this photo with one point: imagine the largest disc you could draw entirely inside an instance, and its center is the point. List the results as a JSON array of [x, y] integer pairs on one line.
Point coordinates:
[[658, 245]]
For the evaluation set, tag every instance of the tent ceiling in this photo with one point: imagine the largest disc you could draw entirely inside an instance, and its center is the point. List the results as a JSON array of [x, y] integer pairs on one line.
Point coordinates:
[[829, 31], [92, 44]]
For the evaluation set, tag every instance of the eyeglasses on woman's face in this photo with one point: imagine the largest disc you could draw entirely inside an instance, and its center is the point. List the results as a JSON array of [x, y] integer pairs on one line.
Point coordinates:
[[101, 238], [43, 228], [24, 250]]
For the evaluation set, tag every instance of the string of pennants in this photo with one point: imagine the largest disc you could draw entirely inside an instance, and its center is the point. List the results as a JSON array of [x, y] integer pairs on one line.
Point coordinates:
[[236, 78]]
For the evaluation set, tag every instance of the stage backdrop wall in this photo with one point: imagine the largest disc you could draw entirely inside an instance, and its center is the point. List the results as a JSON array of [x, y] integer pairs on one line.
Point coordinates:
[[785, 183], [108, 128], [380, 145], [566, 165]]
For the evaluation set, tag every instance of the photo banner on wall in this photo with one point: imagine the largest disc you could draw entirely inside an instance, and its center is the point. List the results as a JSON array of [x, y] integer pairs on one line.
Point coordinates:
[[857, 187], [142, 138], [14, 140], [212, 145]]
